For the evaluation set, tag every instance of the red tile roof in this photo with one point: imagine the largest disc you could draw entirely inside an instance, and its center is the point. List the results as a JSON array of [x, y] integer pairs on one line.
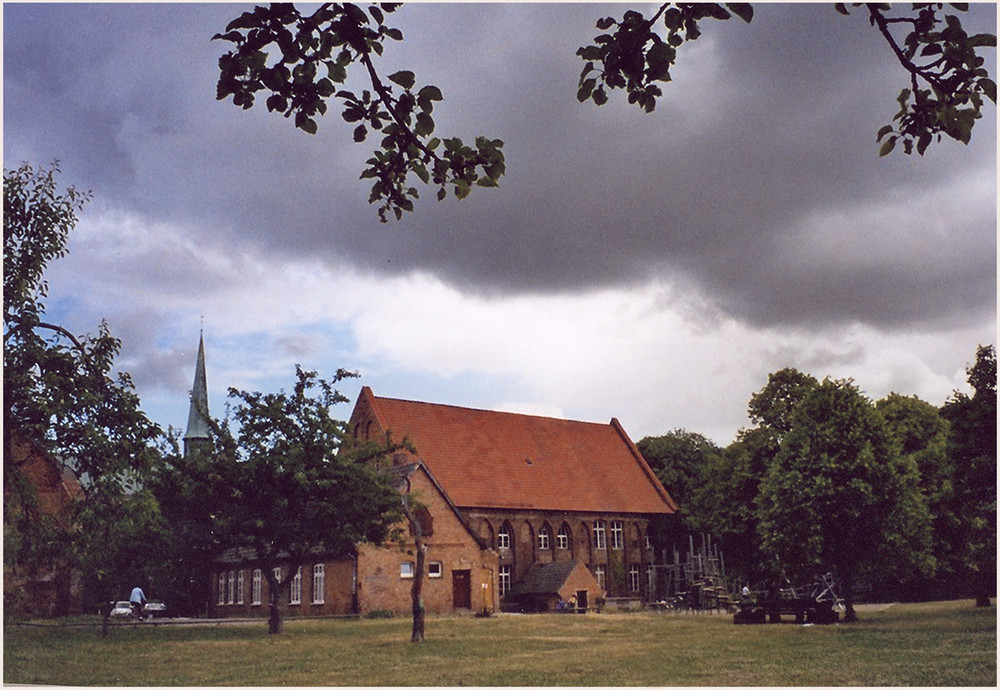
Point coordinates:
[[486, 459]]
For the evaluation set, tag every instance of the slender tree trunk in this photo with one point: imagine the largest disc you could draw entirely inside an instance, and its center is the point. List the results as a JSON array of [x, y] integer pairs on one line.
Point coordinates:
[[416, 590], [419, 611]]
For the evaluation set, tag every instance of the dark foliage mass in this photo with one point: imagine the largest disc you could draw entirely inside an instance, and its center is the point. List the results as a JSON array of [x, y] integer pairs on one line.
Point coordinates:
[[897, 498]]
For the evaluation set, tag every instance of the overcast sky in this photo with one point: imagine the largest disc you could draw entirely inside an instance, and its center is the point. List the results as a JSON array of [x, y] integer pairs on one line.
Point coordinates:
[[651, 267]]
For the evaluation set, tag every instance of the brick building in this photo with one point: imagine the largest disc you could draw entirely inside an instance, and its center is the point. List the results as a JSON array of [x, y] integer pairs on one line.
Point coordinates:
[[52, 588], [505, 494], [534, 490]]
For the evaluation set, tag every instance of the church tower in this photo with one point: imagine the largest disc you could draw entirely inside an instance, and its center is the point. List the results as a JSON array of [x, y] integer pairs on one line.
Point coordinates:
[[197, 437]]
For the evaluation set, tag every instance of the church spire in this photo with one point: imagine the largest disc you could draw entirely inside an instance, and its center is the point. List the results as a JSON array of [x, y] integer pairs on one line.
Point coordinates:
[[197, 435]]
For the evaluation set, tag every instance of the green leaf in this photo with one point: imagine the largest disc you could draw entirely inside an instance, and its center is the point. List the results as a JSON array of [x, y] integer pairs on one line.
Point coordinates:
[[424, 125], [743, 10], [336, 72], [887, 146], [586, 88], [360, 133], [716, 11], [842, 8], [983, 40], [394, 34], [276, 102], [600, 96], [430, 93], [882, 132], [672, 19], [989, 87], [404, 78]]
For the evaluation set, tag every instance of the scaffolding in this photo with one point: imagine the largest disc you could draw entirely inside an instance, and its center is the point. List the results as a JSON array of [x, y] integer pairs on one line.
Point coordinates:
[[695, 582]]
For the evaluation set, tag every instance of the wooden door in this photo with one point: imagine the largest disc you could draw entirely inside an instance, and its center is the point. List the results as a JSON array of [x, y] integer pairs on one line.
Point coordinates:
[[461, 589]]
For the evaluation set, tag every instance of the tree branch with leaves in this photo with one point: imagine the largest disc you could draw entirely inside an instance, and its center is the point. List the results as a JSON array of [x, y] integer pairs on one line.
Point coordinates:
[[945, 96], [302, 61]]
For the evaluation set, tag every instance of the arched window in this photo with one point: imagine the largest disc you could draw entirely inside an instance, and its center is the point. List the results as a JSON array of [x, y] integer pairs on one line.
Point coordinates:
[[563, 537], [544, 540], [504, 537]]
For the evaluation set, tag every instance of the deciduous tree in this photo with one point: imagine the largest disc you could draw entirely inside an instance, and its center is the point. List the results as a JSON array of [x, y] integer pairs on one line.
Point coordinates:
[[285, 491], [972, 449], [839, 496], [921, 434], [61, 394]]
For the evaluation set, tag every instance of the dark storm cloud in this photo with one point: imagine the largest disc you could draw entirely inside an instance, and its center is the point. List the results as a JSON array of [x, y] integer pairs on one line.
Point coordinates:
[[766, 127]]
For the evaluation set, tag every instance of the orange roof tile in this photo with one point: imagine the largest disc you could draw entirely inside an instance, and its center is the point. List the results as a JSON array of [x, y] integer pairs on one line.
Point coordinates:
[[492, 459]]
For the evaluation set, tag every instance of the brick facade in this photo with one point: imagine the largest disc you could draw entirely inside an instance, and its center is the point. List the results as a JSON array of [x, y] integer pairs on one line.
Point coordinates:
[[503, 492], [460, 573], [534, 538]]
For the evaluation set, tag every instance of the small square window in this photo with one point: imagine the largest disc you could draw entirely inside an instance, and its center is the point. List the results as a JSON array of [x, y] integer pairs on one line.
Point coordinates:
[[434, 569], [406, 569]]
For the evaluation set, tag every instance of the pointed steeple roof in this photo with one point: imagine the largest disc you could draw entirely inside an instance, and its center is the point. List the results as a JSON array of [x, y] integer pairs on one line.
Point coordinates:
[[197, 426]]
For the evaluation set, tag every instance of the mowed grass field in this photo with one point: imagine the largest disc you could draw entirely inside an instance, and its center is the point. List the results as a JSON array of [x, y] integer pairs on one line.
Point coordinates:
[[941, 644]]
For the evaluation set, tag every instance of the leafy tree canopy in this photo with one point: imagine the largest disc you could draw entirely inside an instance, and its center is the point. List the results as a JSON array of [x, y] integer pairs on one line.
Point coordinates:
[[839, 496], [972, 446], [281, 487], [61, 394]]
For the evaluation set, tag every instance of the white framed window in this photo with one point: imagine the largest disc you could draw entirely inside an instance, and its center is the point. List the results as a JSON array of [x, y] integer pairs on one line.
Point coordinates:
[[562, 537], [504, 579], [232, 587], [435, 569], [222, 589], [600, 535], [295, 593], [503, 537], [406, 569], [256, 594], [543, 539], [633, 577], [239, 587], [599, 575], [319, 583], [617, 535], [277, 574]]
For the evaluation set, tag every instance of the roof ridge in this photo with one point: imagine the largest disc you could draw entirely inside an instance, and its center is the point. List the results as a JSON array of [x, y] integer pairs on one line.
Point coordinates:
[[488, 411]]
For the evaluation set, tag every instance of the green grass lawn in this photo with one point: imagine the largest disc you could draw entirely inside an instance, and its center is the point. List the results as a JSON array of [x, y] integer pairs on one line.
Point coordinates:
[[945, 643]]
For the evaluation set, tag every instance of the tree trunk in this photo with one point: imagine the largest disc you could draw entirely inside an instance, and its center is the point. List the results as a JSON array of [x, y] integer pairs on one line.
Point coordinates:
[[419, 611], [273, 602], [984, 584], [416, 590], [850, 615]]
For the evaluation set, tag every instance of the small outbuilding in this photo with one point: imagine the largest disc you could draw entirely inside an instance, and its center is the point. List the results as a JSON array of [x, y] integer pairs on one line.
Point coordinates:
[[547, 585]]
